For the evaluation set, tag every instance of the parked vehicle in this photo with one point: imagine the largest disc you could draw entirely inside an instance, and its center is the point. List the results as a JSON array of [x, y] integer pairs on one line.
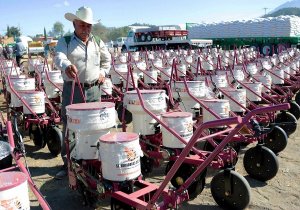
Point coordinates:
[[165, 37]]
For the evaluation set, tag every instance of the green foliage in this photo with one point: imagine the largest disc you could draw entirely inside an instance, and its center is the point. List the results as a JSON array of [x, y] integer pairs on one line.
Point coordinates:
[[58, 29], [285, 11], [13, 31]]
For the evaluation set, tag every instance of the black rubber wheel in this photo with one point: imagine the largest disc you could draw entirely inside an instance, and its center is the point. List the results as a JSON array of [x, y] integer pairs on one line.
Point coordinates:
[[261, 163], [183, 173], [276, 140], [128, 114], [143, 37], [295, 109], [287, 121], [54, 140], [6, 161], [266, 50], [297, 98], [146, 165], [36, 134], [149, 38], [119, 205], [230, 190]]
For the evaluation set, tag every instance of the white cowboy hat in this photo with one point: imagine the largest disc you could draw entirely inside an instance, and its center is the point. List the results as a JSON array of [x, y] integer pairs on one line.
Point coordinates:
[[84, 14]]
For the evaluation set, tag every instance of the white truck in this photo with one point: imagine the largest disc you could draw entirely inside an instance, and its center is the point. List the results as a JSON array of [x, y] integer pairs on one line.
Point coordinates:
[[163, 37]]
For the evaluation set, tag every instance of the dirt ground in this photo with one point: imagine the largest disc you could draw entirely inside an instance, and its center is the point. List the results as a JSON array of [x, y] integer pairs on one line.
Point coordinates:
[[282, 192]]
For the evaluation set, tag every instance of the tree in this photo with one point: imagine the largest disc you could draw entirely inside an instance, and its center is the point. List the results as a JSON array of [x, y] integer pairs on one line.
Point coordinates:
[[13, 31], [100, 30], [58, 29], [118, 32]]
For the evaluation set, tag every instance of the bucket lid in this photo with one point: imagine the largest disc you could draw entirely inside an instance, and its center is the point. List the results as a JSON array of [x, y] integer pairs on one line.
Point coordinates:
[[145, 91], [90, 106], [215, 100], [233, 90], [4, 149], [22, 76], [30, 92], [176, 114], [119, 137], [11, 179], [191, 82]]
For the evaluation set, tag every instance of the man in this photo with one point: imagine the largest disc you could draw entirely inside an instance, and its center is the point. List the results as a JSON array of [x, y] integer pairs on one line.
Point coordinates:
[[81, 55], [19, 50]]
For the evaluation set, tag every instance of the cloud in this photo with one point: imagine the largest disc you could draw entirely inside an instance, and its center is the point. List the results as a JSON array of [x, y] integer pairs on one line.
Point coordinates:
[[65, 3]]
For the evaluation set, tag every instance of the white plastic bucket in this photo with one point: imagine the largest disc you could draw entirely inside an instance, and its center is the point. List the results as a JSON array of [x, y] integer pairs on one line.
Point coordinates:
[[150, 77], [55, 76], [166, 73], [9, 71], [91, 116], [21, 83], [106, 87], [154, 100], [256, 87], [220, 80], [143, 123], [117, 71], [266, 80], [14, 100], [35, 100], [182, 123], [277, 76], [120, 154], [266, 64], [32, 64], [238, 73], [141, 65], [51, 90], [85, 143], [157, 63], [188, 59], [130, 84], [252, 68], [197, 88], [287, 71], [208, 65], [14, 191], [122, 58], [238, 95], [181, 70], [219, 106]]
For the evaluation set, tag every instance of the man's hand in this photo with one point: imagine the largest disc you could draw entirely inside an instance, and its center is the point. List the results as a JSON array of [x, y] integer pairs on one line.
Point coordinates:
[[71, 71], [101, 79]]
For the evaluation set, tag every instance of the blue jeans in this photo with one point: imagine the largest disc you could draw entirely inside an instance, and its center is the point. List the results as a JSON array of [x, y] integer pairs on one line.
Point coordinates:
[[92, 94]]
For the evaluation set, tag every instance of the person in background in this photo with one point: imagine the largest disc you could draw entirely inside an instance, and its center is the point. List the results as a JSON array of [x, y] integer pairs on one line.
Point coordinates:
[[8, 52], [19, 50], [82, 55], [1, 49], [46, 50]]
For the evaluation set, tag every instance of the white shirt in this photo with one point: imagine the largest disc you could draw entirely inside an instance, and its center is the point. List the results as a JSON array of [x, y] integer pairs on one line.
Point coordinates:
[[91, 60]]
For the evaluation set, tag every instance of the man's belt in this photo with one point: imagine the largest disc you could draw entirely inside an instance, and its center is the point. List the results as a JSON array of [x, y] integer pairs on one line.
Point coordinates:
[[85, 85]]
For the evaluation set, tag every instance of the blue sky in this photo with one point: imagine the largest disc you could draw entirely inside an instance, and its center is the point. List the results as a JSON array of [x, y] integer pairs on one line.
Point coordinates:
[[33, 15]]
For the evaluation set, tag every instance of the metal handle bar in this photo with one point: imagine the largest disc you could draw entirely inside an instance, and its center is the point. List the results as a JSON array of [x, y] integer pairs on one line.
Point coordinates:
[[44, 204]]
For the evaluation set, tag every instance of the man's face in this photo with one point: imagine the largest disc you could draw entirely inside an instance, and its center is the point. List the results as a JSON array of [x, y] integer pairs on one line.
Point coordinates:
[[82, 29]]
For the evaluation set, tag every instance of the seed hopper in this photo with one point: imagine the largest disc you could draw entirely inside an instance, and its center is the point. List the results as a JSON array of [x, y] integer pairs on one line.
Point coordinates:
[[29, 101]]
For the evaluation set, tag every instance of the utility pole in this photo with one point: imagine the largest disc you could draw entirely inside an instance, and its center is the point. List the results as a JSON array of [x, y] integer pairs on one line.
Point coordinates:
[[265, 8]]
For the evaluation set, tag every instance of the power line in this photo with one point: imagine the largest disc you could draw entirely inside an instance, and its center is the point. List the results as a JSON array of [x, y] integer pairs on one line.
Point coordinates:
[[265, 8]]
